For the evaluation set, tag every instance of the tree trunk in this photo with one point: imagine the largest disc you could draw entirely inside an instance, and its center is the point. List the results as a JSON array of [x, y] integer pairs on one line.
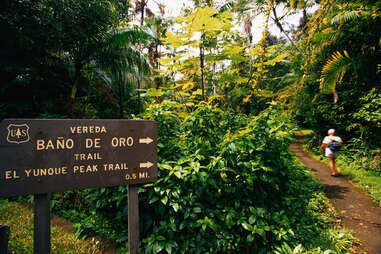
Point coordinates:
[[121, 96], [142, 13], [143, 3], [77, 75], [139, 101], [202, 71], [74, 88]]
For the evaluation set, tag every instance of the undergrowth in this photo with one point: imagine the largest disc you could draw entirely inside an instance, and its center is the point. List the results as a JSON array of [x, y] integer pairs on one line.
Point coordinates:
[[227, 184]]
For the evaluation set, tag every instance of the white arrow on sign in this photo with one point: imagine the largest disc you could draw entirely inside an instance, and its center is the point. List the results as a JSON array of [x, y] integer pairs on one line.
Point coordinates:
[[146, 140], [146, 164]]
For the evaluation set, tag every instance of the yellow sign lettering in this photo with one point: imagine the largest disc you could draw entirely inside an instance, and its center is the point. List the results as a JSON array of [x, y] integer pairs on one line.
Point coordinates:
[[45, 171], [58, 144], [8, 174], [87, 157], [122, 142], [11, 174], [85, 168], [93, 143], [27, 172], [116, 166], [130, 176], [143, 175], [87, 129]]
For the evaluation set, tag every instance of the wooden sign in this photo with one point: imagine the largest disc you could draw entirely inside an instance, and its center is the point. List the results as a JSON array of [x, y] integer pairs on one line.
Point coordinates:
[[44, 156]]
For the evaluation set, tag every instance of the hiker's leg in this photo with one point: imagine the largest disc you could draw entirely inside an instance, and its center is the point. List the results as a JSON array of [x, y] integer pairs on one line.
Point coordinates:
[[332, 165]]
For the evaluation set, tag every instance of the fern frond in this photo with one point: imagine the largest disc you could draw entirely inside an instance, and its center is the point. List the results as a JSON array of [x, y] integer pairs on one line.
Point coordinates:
[[333, 71], [347, 16], [323, 38]]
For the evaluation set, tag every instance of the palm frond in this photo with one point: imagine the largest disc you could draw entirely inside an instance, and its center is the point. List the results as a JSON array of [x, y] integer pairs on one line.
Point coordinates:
[[119, 62], [239, 6], [347, 16], [123, 60], [229, 6], [294, 4], [333, 71], [129, 36]]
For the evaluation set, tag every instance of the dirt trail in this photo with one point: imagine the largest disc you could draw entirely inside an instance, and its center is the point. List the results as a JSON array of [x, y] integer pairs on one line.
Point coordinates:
[[356, 208]]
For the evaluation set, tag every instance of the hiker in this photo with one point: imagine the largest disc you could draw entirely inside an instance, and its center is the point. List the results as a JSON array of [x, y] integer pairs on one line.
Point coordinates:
[[332, 144]]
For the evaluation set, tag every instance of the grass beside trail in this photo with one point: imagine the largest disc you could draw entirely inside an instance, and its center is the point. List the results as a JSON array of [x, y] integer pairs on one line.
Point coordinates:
[[354, 167], [20, 220], [368, 180]]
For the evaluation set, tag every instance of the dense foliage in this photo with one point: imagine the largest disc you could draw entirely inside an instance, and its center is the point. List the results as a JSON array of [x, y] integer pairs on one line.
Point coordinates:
[[346, 50], [344, 62], [227, 184], [51, 54]]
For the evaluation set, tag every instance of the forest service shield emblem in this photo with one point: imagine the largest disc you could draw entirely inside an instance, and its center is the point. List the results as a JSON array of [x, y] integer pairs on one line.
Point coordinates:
[[18, 133]]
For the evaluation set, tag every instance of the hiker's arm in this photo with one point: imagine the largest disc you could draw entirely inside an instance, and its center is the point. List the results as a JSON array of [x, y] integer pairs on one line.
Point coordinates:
[[322, 147]]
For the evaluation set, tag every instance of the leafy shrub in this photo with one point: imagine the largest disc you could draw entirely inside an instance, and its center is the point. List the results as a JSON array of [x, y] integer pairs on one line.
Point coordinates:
[[227, 184], [232, 187]]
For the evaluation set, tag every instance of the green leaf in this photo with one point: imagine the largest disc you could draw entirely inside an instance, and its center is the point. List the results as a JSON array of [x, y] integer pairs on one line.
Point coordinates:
[[153, 92], [247, 226], [168, 248], [197, 210], [261, 232], [175, 206], [229, 221], [178, 174], [154, 199], [160, 238], [157, 247], [164, 200], [165, 166], [252, 219], [298, 249]]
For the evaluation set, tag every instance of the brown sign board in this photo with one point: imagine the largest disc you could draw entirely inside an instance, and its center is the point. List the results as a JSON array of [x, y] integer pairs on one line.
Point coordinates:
[[44, 156]]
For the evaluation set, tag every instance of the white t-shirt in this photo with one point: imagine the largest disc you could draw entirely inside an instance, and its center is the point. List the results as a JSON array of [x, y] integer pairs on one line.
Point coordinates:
[[327, 140]]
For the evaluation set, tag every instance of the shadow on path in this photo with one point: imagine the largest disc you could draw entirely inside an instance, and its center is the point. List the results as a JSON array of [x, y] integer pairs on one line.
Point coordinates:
[[335, 191], [357, 209]]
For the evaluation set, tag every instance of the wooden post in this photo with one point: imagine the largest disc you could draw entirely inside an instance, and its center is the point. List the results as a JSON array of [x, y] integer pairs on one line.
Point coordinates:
[[133, 219], [42, 223], [4, 237]]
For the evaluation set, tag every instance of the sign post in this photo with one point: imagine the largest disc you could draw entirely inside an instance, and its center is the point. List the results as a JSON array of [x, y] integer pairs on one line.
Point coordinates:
[[41, 235], [4, 237], [40, 156], [133, 219]]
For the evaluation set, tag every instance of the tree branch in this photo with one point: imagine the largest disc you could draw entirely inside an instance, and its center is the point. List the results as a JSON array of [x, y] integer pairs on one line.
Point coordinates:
[[279, 25]]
